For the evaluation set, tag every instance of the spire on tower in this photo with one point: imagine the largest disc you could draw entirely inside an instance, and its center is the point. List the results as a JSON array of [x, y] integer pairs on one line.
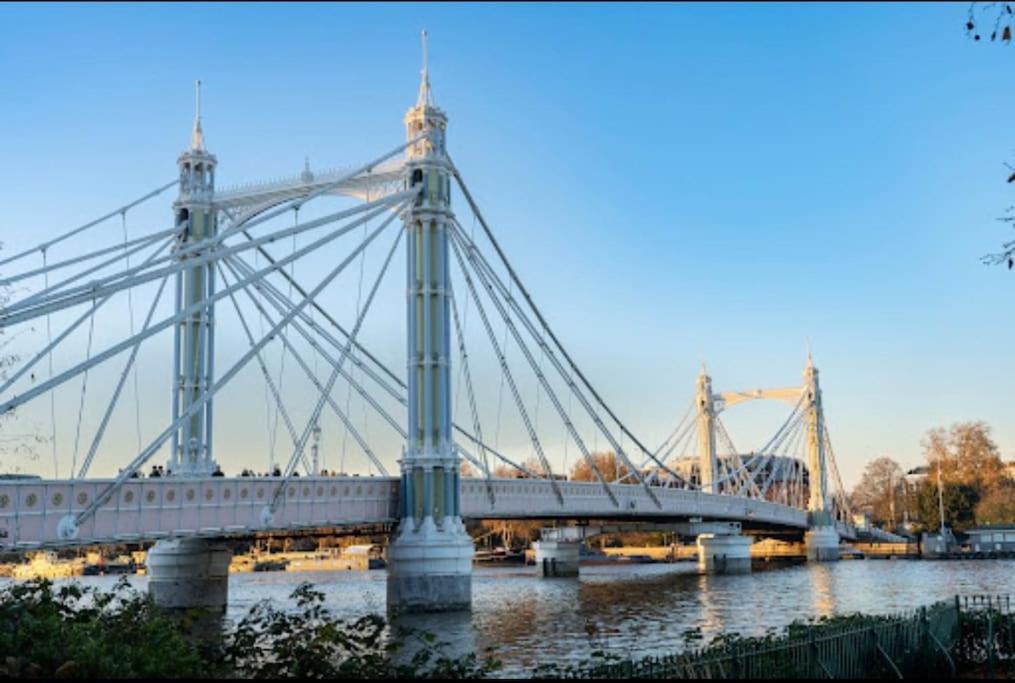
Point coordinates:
[[424, 97], [197, 136]]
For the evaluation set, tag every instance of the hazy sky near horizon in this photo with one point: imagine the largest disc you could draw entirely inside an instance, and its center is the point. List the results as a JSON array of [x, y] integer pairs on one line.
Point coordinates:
[[673, 182]]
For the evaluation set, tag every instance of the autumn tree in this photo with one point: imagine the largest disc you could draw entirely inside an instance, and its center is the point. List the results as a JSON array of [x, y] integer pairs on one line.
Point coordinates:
[[998, 505], [972, 476], [606, 462], [878, 490], [966, 454]]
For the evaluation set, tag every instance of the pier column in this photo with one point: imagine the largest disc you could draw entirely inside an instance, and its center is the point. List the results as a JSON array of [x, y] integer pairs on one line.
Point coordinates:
[[557, 557], [430, 557], [186, 573], [724, 554], [822, 544]]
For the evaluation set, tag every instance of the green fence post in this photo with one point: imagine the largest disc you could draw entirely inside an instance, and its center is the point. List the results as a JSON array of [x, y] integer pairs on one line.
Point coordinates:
[[990, 642], [812, 652], [925, 639]]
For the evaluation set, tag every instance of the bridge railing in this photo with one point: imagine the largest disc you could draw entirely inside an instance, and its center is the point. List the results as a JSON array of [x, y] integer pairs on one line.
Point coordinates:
[[148, 509], [514, 498]]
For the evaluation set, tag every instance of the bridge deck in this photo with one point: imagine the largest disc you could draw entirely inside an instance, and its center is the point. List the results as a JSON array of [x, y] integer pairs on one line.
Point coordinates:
[[150, 509]]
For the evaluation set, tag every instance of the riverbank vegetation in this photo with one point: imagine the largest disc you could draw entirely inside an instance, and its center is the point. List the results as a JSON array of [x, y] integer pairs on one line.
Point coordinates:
[[68, 631]]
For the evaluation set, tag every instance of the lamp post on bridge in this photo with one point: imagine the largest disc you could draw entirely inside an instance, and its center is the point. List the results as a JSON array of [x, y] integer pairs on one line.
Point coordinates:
[[430, 557]]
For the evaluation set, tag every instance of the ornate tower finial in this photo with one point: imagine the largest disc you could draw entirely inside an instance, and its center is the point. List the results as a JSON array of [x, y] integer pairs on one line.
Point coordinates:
[[197, 136], [424, 97]]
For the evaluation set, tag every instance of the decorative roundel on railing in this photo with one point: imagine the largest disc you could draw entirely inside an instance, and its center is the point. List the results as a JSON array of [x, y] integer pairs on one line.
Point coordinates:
[[244, 493], [190, 494], [82, 498], [227, 494], [128, 497], [209, 494], [57, 499], [334, 490], [291, 492], [260, 492], [150, 496], [5, 500], [170, 495], [359, 490], [30, 500], [370, 490], [345, 490], [320, 491], [306, 491]]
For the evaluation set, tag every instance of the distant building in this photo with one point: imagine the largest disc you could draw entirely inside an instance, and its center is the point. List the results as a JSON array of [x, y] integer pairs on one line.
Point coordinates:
[[992, 538], [862, 521], [915, 476]]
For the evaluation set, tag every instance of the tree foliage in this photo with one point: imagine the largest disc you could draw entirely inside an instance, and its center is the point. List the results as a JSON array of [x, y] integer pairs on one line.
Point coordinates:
[[75, 632], [878, 490], [967, 455], [606, 462]]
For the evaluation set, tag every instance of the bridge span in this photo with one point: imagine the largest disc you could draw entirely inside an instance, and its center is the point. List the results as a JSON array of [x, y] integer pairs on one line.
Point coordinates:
[[147, 510], [214, 252]]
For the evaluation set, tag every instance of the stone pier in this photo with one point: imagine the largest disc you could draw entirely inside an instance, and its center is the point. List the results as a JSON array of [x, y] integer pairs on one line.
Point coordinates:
[[724, 554], [185, 573]]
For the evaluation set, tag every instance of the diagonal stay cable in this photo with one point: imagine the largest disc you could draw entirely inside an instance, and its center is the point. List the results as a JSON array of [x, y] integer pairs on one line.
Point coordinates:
[[315, 416], [539, 315], [509, 325], [68, 526], [491, 335], [317, 385], [97, 439]]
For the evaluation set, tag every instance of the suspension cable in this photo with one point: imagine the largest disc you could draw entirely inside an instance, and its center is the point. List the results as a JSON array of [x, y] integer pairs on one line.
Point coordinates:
[[52, 398], [46, 245], [84, 391], [130, 313]]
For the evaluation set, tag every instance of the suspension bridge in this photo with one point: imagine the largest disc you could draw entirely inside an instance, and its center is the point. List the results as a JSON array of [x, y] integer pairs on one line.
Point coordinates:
[[218, 260]]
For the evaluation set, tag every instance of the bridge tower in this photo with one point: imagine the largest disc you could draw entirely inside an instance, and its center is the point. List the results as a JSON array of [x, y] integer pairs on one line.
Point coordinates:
[[192, 572], [430, 558], [822, 540], [194, 337], [708, 465]]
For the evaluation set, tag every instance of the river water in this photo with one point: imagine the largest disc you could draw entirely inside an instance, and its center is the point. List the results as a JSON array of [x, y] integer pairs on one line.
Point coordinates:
[[635, 610]]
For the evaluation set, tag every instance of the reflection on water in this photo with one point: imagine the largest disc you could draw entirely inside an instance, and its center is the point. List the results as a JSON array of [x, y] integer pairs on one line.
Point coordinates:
[[635, 609]]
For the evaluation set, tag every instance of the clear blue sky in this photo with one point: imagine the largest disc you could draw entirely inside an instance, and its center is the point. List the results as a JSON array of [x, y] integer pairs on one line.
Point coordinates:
[[674, 182]]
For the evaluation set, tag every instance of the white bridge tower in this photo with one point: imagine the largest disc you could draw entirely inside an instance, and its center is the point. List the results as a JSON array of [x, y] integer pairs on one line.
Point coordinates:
[[822, 540], [430, 559], [194, 337]]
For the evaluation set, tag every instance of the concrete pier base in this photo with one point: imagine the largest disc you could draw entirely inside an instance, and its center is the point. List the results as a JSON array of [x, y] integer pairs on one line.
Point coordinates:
[[430, 567], [822, 544], [724, 554], [189, 573], [556, 558]]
